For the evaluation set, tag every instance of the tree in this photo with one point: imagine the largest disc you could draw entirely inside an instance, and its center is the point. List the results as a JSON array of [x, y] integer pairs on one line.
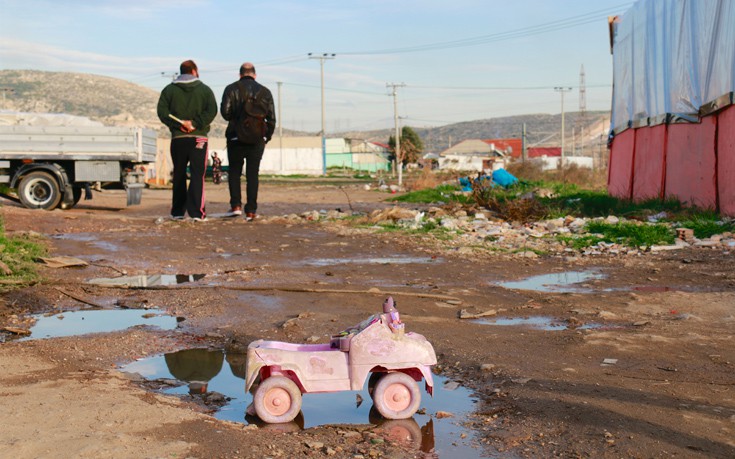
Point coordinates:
[[411, 146]]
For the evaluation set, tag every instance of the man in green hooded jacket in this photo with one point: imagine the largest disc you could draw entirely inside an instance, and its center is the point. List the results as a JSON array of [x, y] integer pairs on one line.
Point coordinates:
[[188, 107]]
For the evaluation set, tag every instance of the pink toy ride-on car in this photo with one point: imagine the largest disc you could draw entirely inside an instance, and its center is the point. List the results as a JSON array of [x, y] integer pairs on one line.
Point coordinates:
[[378, 348]]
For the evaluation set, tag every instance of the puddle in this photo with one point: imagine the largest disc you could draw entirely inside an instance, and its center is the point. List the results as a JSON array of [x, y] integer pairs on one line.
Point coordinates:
[[225, 373], [89, 238], [540, 323], [157, 280], [566, 282], [74, 323], [371, 261]]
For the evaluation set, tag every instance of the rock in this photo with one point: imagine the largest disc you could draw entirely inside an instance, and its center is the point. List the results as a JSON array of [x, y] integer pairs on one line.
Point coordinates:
[[521, 381], [486, 367], [451, 385], [527, 254], [314, 444], [443, 414], [464, 314]]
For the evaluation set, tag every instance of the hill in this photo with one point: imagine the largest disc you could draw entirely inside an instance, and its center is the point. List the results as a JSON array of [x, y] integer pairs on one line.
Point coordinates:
[[120, 103]]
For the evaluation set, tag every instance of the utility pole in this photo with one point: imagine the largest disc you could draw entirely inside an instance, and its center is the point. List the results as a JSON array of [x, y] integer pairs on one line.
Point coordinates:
[[280, 124], [170, 75], [322, 58], [562, 90], [399, 156], [5, 91], [524, 148]]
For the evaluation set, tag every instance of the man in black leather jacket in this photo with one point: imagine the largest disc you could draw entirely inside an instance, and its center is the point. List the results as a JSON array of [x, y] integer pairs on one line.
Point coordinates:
[[239, 153]]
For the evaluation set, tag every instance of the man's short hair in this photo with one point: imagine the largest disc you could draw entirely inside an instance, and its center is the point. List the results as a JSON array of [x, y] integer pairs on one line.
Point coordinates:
[[247, 69], [188, 67]]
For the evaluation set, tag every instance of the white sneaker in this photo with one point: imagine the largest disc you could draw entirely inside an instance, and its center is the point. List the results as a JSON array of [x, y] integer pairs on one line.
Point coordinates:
[[200, 219], [234, 212], [177, 217]]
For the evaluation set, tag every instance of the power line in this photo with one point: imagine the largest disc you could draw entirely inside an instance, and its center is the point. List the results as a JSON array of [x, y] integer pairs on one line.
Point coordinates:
[[567, 23]]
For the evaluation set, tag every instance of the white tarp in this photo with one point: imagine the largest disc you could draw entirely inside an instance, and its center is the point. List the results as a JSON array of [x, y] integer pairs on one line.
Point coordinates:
[[671, 57]]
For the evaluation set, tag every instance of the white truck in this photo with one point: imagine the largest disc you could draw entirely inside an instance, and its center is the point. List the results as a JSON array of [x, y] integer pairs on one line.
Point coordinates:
[[51, 166]]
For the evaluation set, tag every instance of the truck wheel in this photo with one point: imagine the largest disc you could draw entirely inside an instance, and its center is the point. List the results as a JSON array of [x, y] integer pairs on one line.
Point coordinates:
[[39, 190], [76, 195], [277, 400], [396, 396]]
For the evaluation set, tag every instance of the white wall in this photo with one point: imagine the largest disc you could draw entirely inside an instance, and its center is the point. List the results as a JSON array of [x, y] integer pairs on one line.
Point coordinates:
[[552, 162], [289, 161]]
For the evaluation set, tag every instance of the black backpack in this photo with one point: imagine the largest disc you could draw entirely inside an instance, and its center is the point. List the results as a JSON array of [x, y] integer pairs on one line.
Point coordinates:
[[250, 127]]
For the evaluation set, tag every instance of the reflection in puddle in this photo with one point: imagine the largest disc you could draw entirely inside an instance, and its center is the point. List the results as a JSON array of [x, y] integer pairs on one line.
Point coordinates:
[[556, 282], [370, 261], [74, 323], [539, 322], [204, 370], [90, 238], [157, 280]]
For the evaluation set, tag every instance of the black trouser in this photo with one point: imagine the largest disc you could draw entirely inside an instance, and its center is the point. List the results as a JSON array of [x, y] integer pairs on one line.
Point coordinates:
[[237, 154], [192, 152]]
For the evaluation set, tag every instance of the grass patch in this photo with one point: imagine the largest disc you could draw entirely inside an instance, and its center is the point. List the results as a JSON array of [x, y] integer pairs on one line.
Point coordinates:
[[704, 224], [442, 193], [19, 255], [581, 242], [632, 234]]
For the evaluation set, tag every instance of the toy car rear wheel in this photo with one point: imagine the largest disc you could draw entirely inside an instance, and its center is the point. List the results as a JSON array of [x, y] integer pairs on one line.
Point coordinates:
[[277, 400], [372, 381], [396, 396]]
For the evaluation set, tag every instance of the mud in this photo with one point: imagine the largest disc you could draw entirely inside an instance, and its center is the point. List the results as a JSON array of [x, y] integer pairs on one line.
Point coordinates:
[[666, 319]]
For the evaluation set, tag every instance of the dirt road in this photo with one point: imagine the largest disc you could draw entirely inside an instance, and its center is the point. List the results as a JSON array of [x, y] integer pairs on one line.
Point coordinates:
[[636, 361]]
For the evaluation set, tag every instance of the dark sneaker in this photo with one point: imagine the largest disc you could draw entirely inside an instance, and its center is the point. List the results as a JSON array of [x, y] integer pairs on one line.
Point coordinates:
[[236, 211], [250, 216]]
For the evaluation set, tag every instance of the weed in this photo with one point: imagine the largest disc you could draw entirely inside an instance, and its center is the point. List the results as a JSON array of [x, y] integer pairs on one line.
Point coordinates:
[[19, 255], [632, 234], [442, 193]]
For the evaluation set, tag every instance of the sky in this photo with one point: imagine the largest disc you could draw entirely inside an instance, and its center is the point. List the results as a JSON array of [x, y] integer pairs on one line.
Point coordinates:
[[447, 61]]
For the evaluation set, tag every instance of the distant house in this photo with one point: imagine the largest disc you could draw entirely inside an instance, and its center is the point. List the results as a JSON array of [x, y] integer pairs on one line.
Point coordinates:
[[539, 152], [357, 154], [478, 154]]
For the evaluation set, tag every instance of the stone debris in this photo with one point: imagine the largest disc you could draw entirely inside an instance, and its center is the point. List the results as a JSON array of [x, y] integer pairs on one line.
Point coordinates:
[[478, 233]]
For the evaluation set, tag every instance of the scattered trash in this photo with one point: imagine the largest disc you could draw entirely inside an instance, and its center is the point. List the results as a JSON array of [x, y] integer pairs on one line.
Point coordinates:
[[63, 262], [157, 280], [609, 362]]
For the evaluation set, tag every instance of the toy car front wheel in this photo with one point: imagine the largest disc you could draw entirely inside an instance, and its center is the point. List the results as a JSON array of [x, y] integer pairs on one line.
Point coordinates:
[[396, 396], [277, 400]]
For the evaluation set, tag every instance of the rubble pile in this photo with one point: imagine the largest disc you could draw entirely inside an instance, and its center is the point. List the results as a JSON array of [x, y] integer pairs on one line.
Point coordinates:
[[480, 232]]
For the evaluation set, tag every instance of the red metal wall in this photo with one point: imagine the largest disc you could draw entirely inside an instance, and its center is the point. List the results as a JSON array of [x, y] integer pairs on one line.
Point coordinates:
[[694, 163], [620, 171], [690, 163], [650, 163], [726, 160]]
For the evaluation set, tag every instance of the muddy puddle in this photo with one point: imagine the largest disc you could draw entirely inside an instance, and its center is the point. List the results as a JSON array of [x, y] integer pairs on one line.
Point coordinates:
[[540, 323], [225, 374], [371, 261], [74, 323], [156, 280], [564, 282], [90, 240]]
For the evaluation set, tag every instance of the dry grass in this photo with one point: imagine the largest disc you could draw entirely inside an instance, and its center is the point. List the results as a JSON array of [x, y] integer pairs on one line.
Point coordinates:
[[426, 178], [573, 174]]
